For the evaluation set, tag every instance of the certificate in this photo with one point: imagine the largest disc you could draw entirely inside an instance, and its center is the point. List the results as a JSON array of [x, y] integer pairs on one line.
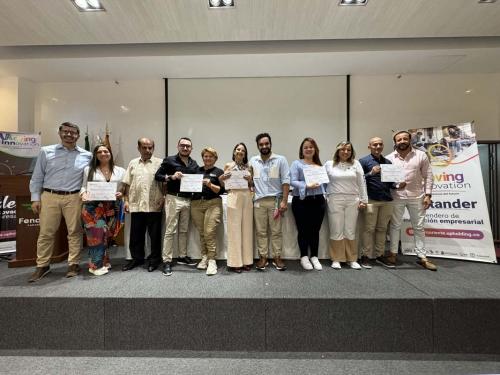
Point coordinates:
[[191, 183], [392, 173], [237, 180], [101, 191], [315, 174]]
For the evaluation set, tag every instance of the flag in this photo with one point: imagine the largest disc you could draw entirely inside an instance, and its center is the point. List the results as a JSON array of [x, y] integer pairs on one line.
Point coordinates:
[[87, 142]]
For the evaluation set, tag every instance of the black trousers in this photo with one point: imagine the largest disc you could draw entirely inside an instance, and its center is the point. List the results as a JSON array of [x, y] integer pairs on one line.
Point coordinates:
[[139, 224], [308, 213]]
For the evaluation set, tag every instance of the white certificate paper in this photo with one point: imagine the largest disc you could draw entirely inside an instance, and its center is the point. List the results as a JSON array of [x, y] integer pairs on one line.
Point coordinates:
[[192, 183], [392, 173], [315, 174], [237, 180], [101, 191]]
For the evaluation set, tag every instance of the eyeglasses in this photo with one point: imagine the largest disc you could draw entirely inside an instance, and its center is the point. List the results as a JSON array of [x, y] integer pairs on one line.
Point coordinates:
[[69, 132], [184, 146]]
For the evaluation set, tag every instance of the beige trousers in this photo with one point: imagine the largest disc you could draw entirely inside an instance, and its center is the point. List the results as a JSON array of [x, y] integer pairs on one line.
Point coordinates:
[[343, 250], [263, 210], [55, 206], [176, 221], [239, 228], [377, 216], [206, 215]]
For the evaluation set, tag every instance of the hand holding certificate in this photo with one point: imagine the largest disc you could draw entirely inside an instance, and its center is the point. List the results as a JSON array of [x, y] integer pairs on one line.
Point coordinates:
[[101, 191], [191, 183], [392, 173], [237, 180], [314, 174]]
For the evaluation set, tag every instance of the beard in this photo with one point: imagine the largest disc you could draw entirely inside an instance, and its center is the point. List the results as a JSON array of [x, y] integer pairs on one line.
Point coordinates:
[[265, 151], [403, 146]]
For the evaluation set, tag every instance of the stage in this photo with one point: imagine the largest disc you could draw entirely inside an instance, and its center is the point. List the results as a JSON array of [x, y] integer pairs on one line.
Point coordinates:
[[404, 310]]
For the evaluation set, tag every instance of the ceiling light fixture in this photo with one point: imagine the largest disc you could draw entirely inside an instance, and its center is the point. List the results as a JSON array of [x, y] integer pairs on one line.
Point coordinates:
[[352, 2], [486, 1], [220, 4], [88, 5]]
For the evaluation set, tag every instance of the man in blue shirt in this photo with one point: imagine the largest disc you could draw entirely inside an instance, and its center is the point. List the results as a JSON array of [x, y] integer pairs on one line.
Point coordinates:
[[379, 209], [55, 186], [271, 177]]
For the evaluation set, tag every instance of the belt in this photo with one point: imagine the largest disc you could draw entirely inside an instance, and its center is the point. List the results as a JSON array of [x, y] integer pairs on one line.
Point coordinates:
[[181, 195], [204, 199], [60, 192]]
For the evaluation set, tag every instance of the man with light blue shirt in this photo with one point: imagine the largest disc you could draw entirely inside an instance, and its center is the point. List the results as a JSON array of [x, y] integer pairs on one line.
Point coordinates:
[[271, 177], [55, 186]]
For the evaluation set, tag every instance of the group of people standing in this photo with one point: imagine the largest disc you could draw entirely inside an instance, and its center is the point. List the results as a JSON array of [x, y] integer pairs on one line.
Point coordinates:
[[151, 187]]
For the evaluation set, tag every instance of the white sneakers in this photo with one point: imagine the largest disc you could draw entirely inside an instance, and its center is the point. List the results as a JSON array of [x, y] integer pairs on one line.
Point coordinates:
[[316, 264], [203, 263], [99, 272], [308, 265], [354, 265], [336, 265], [212, 267], [305, 263]]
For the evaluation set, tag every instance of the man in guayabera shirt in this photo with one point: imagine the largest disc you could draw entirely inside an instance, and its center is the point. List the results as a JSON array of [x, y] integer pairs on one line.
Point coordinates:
[[177, 203], [414, 193], [144, 200], [55, 186]]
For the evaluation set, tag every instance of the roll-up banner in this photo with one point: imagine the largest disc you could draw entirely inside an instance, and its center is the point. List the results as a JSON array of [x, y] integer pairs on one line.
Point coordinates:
[[18, 153], [457, 223]]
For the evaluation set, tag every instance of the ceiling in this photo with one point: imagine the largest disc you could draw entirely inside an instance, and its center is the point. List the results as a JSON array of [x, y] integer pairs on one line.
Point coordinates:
[[50, 40]]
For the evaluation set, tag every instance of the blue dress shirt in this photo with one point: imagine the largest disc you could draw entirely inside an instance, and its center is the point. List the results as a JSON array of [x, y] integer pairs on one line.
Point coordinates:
[[377, 190]]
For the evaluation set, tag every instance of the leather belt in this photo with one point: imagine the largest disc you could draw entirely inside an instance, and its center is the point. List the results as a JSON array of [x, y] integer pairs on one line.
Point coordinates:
[[60, 192]]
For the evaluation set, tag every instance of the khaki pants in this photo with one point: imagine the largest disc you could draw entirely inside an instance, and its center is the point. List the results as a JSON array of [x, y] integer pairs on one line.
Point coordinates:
[[206, 215], [55, 206], [239, 228], [263, 210], [377, 216], [176, 221]]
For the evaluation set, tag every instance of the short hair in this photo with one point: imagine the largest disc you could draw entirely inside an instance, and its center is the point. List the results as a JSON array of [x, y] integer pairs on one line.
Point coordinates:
[[400, 132], [245, 158], [263, 135], [340, 146], [186, 139], [139, 141], [316, 158], [210, 150], [69, 125]]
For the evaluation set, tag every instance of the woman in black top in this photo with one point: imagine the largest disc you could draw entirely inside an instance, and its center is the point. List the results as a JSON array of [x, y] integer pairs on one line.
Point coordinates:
[[206, 210]]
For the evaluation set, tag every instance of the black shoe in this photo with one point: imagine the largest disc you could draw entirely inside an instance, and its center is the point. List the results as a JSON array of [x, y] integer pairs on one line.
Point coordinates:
[[187, 261], [167, 269], [152, 267], [131, 264]]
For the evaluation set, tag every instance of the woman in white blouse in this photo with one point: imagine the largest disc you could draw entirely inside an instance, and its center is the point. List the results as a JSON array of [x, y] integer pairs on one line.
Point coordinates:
[[102, 220], [346, 194]]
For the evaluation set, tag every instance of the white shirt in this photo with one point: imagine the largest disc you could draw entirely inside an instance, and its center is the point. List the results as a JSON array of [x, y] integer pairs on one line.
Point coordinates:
[[346, 179]]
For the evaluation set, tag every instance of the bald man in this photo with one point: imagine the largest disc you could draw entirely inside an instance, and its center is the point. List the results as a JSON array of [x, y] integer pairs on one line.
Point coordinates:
[[379, 209]]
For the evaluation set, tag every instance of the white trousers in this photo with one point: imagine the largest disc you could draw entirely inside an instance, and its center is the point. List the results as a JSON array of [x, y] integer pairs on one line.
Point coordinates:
[[342, 216], [417, 218]]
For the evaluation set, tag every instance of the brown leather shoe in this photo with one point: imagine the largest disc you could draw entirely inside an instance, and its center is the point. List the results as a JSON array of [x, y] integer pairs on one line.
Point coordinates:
[[39, 273], [428, 265], [73, 270], [279, 264], [262, 263]]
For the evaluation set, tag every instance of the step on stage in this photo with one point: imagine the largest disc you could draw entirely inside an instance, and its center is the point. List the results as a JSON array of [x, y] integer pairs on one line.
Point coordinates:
[[409, 309]]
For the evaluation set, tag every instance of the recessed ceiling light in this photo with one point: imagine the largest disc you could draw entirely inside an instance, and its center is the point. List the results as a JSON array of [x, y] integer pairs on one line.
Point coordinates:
[[88, 5], [353, 2], [486, 1], [220, 4]]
